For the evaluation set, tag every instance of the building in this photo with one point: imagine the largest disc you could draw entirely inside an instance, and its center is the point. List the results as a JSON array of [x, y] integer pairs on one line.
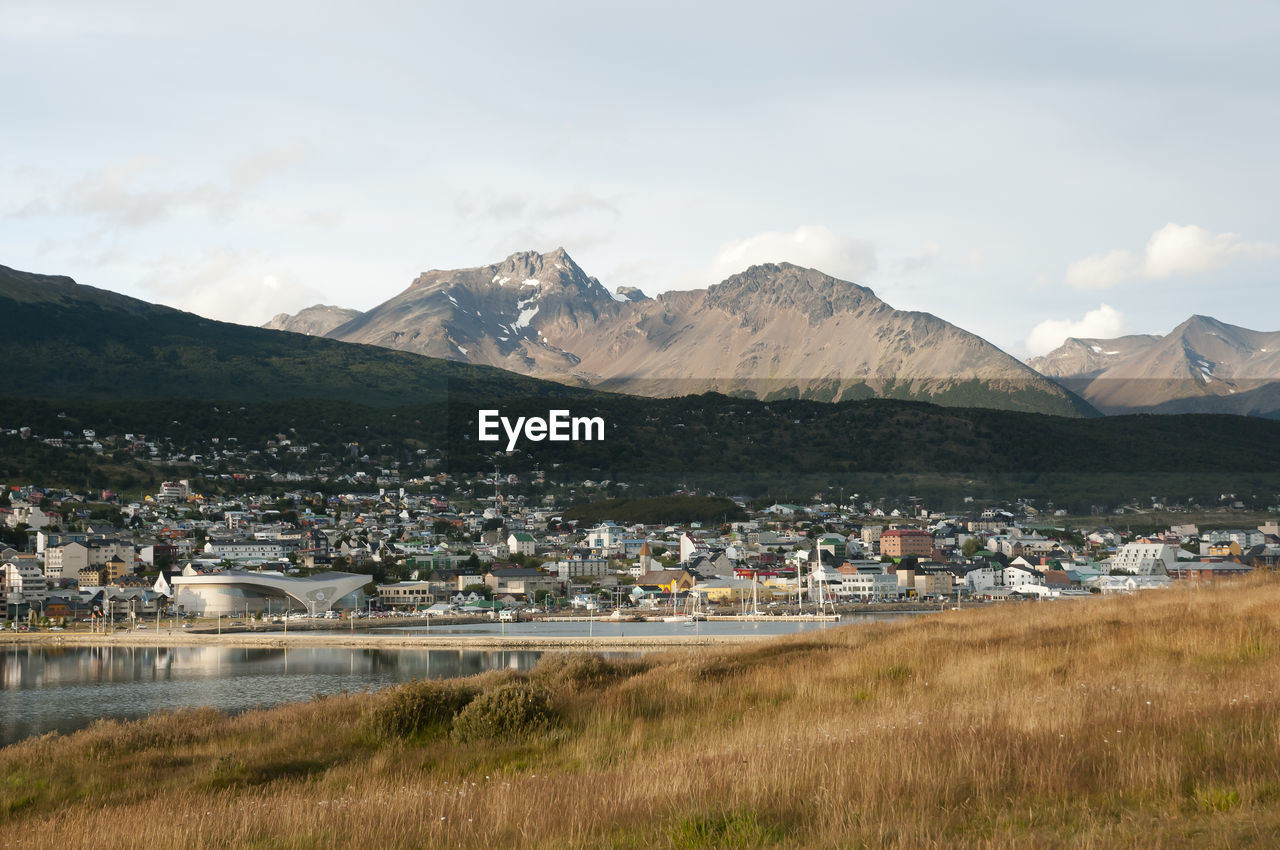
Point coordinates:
[[406, 594], [906, 542], [174, 492], [245, 550], [24, 583], [91, 577], [669, 581], [522, 543], [574, 568], [1145, 559], [65, 561], [118, 567], [691, 547], [606, 535], [240, 592], [519, 581]]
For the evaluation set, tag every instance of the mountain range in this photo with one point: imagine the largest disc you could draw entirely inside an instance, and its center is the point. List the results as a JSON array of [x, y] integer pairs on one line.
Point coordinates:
[[1202, 366], [79, 357], [772, 331]]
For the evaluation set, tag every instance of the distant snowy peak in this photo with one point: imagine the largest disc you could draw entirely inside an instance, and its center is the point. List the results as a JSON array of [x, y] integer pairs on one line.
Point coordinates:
[[1202, 365], [630, 293]]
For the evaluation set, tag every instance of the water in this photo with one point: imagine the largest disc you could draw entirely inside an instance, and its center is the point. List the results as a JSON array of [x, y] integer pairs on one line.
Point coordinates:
[[54, 688], [47, 689], [596, 628]]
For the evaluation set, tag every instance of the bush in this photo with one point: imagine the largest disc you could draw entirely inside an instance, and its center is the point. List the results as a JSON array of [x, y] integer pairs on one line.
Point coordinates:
[[587, 670], [505, 712], [418, 709]]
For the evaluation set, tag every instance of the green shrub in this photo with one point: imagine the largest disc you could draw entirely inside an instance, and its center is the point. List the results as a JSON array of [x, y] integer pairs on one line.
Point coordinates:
[[418, 709], [505, 712]]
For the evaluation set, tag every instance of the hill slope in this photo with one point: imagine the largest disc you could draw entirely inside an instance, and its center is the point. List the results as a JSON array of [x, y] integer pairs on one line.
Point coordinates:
[[772, 331], [61, 339]]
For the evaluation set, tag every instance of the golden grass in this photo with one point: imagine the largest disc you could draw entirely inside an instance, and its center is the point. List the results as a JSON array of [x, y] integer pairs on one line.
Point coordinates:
[[1149, 721]]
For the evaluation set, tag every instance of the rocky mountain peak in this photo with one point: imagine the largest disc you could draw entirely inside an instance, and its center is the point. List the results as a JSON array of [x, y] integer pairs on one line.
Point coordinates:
[[783, 286], [631, 293]]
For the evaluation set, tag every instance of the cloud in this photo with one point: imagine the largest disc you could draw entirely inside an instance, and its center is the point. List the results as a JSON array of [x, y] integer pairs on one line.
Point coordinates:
[[927, 255], [134, 194], [1174, 250], [1183, 250], [1102, 271], [1103, 323], [813, 246], [253, 169], [230, 287], [582, 202], [504, 208]]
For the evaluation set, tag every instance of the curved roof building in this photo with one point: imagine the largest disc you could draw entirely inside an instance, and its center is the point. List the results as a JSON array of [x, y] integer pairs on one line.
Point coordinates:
[[237, 591]]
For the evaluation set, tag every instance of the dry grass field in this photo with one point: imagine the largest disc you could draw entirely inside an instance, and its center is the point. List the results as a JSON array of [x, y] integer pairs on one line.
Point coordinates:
[[1149, 721]]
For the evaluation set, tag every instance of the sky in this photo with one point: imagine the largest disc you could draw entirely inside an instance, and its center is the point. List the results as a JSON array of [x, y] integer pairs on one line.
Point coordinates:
[[1026, 171]]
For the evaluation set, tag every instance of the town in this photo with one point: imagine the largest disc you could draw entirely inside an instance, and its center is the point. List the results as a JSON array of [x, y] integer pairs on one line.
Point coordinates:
[[70, 558]]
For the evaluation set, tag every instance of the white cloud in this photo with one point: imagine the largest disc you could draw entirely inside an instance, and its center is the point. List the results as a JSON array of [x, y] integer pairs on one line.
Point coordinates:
[[229, 287], [1103, 323], [1173, 250], [141, 191], [811, 246], [1102, 271], [1179, 250]]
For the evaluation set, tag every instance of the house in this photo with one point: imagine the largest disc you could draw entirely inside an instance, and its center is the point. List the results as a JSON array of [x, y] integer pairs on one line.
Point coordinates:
[[605, 536], [522, 543]]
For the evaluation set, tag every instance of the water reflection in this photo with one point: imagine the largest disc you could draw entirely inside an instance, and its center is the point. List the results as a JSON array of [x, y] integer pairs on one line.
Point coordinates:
[[51, 688]]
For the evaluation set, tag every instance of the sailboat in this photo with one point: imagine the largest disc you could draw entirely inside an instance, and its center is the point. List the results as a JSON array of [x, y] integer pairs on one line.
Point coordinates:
[[755, 602], [821, 583], [673, 617]]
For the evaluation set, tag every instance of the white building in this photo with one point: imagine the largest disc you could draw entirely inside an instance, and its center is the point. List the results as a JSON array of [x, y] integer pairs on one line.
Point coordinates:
[[572, 568], [236, 550], [522, 543], [869, 586], [1144, 559], [174, 492], [23, 581], [606, 535], [691, 547], [65, 561]]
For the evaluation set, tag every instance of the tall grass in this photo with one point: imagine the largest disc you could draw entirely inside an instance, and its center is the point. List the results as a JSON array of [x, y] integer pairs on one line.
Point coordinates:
[[1148, 721]]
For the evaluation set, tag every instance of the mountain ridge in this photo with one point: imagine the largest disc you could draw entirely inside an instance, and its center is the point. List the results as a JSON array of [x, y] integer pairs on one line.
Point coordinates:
[[1203, 365], [774, 330]]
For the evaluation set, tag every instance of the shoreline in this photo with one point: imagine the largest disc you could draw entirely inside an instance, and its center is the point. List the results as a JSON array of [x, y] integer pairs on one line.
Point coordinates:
[[367, 641]]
